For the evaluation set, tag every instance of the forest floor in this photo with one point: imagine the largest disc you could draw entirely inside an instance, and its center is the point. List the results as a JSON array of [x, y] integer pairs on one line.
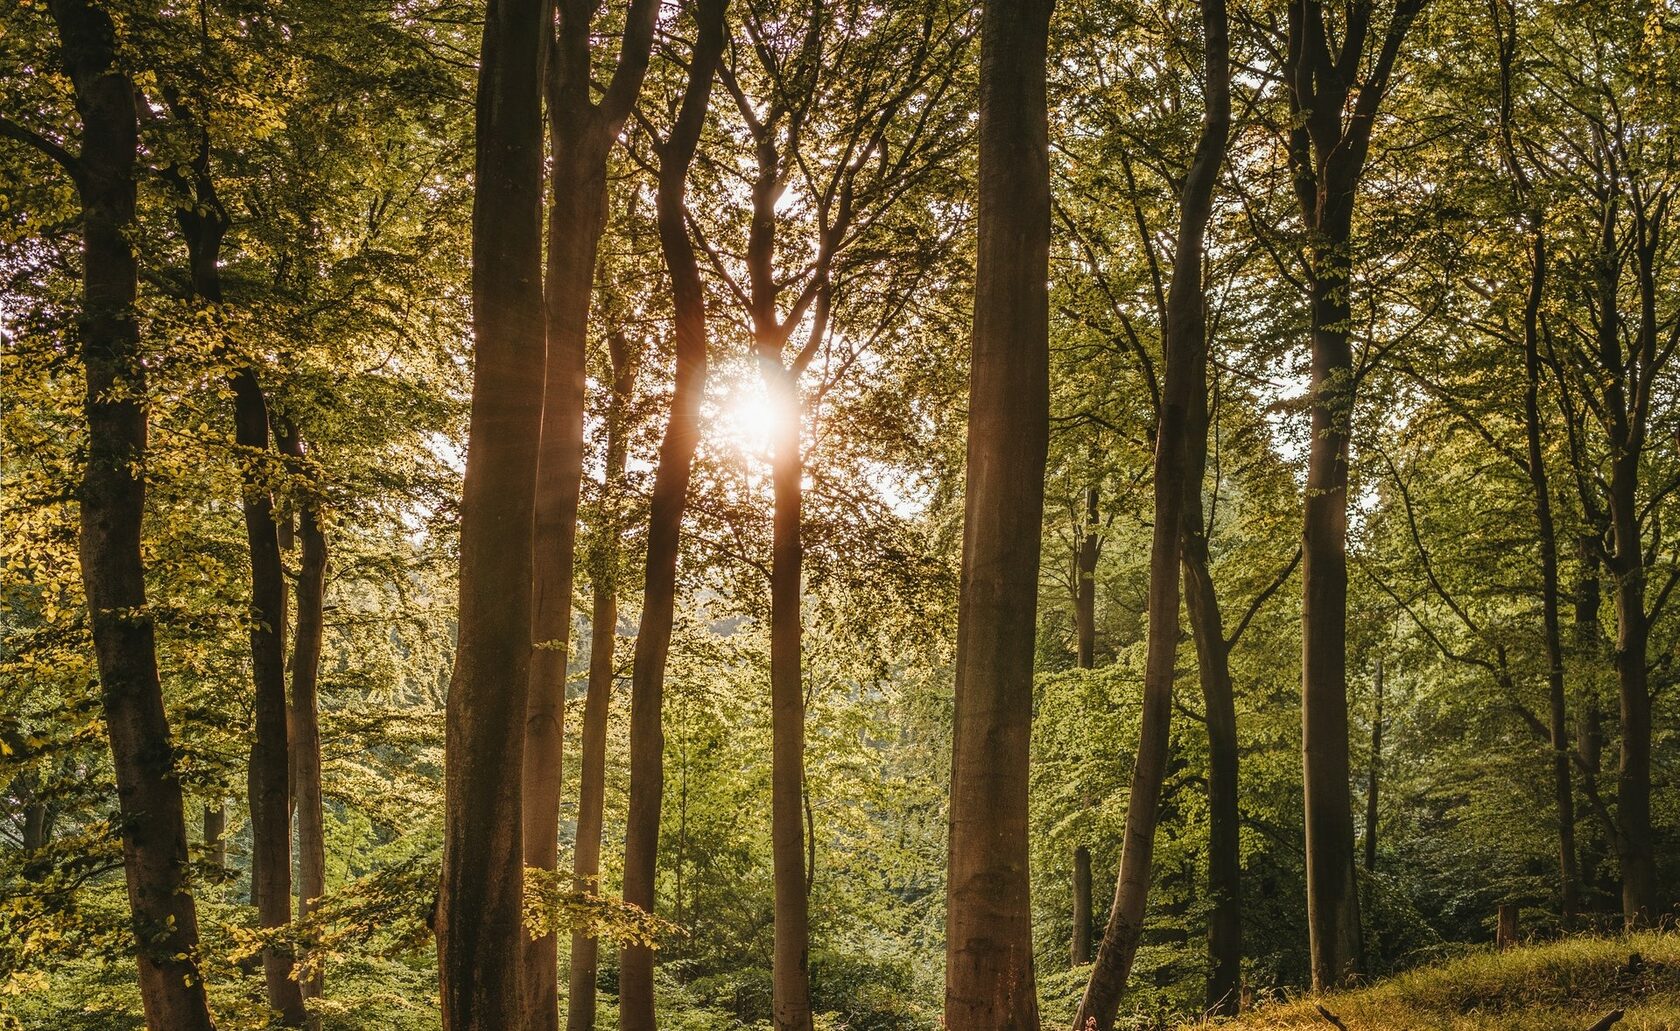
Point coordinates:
[[1561, 986]]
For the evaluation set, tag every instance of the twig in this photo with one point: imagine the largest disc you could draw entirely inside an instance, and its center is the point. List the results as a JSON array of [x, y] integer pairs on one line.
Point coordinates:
[[1332, 1018], [1605, 1021]]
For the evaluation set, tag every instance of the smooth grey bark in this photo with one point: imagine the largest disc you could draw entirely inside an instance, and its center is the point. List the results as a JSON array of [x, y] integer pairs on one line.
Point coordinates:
[[1333, 114], [989, 980], [479, 919], [582, 133]]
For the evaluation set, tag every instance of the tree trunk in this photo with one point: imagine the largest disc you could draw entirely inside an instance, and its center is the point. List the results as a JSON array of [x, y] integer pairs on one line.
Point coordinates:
[[215, 831], [1213, 652], [1224, 985], [577, 214], [1185, 351], [791, 961], [670, 497], [989, 981], [1633, 774], [1079, 953], [1562, 777], [204, 223], [586, 856], [1505, 933], [112, 506], [479, 922], [1588, 644], [270, 770], [1332, 895], [582, 134], [305, 709], [1085, 586], [1327, 151], [1373, 793], [603, 634]]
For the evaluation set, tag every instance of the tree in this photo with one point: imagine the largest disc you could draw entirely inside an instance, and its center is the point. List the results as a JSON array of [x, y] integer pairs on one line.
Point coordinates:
[[665, 513], [1329, 142], [989, 979], [204, 222], [581, 133], [1184, 347], [624, 357], [480, 921], [112, 496]]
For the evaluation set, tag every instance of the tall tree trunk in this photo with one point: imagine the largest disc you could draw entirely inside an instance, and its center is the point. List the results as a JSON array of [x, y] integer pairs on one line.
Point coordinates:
[[603, 636], [989, 982], [270, 770], [1373, 793], [586, 856], [577, 213], [1327, 151], [581, 135], [1184, 340], [112, 506], [1630, 406], [204, 223], [309, 628], [1085, 585], [1562, 776], [670, 497], [479, 920], [1079, 952], [791, 982], [1633, 774], [1332, 895], [1224, 983]]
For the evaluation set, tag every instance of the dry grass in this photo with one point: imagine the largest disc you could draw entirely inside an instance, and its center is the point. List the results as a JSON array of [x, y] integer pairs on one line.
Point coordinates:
[[1562, 986]]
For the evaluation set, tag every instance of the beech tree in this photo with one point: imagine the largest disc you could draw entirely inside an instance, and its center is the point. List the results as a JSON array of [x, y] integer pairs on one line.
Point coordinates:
[[112, 502], [480, 908], [1327, 69], [1184, 348], [989, 979]]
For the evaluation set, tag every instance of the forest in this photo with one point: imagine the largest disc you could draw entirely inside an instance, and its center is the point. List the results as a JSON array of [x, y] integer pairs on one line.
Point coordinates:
[[832, 515]]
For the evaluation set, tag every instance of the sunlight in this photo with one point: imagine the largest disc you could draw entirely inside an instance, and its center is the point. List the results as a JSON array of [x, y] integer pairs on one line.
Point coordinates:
[[750, 419]]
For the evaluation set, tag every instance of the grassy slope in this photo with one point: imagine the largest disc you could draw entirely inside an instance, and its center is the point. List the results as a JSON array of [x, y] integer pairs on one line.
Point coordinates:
[[1563, 986]]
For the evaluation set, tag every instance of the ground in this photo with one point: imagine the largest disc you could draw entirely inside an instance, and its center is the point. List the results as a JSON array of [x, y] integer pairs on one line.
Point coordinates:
[[1561, 986]]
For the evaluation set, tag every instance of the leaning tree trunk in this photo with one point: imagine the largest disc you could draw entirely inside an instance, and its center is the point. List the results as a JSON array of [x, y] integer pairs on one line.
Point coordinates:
[[112, 507], [479, 921], [989, 979], [1185, 351], [670, 497]]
